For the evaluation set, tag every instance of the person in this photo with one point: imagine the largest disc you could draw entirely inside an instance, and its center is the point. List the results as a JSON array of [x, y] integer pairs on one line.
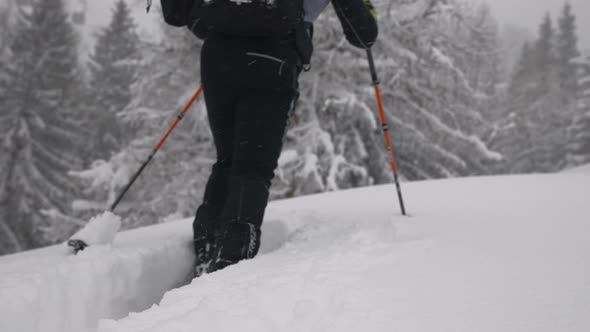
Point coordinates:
[[251, 87]]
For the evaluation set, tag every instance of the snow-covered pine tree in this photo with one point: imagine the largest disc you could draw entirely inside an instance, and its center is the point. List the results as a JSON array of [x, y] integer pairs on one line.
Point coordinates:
[[327, 145], [113, 67], [578, 147], [548, 114], [429, 92], [429, 99], [567, 50], [545, 56], [512, 132], [537, 107], [512, 38], [38, 134], [477, 49], [476, 45]]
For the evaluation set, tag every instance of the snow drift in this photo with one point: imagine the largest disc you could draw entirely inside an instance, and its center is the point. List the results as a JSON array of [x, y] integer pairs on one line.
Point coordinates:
[[481, 254]]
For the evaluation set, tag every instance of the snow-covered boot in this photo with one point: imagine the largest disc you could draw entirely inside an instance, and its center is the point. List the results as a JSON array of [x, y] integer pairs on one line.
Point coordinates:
[[204, 249], [235, 242], [204, 241]]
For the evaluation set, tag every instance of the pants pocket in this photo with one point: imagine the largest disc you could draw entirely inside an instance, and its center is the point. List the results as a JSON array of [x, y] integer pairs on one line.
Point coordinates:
[[273, 71]]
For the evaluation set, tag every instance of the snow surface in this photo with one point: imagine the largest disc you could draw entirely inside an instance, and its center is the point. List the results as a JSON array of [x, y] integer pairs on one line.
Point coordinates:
[[480, 254], [584, 169]]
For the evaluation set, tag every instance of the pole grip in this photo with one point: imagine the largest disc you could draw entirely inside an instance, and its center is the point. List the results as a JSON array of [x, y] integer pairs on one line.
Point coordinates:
[[372, 67]]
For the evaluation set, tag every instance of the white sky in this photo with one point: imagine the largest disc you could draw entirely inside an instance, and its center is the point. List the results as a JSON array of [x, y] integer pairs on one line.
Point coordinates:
[[529, 13]]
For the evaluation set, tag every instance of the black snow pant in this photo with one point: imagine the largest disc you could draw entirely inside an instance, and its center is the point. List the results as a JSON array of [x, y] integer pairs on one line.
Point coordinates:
[[250, 87]]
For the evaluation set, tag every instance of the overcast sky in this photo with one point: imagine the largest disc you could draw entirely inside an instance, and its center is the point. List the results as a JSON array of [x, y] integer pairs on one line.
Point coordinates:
[[528, 14]]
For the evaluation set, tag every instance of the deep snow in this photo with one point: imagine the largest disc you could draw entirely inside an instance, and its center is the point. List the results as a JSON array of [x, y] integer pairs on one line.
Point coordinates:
[[479, 254]]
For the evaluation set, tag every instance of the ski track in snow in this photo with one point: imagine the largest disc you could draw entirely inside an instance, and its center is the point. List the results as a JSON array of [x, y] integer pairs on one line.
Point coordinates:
[[51, 290], [481, 254]]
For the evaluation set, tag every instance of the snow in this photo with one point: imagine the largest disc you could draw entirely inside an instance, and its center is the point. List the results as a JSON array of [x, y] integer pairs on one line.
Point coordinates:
[[583, 59], [585, 169], [584, 80], [478, 254], [446, 61], [112, 176], [99, 230], [287, 156], [472, 139]]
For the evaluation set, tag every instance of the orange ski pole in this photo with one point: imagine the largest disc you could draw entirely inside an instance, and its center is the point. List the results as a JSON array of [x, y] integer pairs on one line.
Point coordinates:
[[79, 245], [386, 129], [158, 147]]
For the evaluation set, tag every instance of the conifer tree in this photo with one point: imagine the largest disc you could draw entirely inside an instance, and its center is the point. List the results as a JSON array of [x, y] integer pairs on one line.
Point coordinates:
[[545, 57], [578, 146], [513, 131], [114, 71], [567, 50], [39, 135], [438, 90], [548, 114], [536, 111]]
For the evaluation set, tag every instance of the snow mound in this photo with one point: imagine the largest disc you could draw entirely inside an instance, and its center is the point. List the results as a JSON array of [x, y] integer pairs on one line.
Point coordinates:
[[481, 254], [100, 229]]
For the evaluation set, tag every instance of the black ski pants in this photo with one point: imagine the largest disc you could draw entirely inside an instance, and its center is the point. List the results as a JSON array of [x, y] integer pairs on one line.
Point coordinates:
[[250, 87]]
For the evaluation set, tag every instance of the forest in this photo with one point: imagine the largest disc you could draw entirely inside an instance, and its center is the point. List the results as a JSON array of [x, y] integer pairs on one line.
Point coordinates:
[[74, 129]]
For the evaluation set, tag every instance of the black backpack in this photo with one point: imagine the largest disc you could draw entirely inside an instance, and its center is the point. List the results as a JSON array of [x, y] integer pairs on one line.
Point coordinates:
[[176, 12], [237, 17]]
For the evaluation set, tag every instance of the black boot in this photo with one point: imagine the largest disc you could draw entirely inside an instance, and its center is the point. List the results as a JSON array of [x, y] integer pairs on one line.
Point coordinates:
[[204, 248], [204, 240], [208, 215], [235, 242]]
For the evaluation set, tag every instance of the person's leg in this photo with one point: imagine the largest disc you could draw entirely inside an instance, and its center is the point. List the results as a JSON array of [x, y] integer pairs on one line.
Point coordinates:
[[261, 114], [207, 217], [260, 133], [220, 102]]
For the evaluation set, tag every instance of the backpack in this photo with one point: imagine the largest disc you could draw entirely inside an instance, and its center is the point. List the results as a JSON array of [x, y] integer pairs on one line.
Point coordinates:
[[246, 18], [176, 12]]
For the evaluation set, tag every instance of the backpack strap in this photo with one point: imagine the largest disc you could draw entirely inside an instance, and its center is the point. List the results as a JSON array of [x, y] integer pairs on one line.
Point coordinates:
[[304, 43]]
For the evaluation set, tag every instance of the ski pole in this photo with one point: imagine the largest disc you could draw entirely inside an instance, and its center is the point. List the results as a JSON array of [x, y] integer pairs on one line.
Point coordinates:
[[79, 245], [385, 129]]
